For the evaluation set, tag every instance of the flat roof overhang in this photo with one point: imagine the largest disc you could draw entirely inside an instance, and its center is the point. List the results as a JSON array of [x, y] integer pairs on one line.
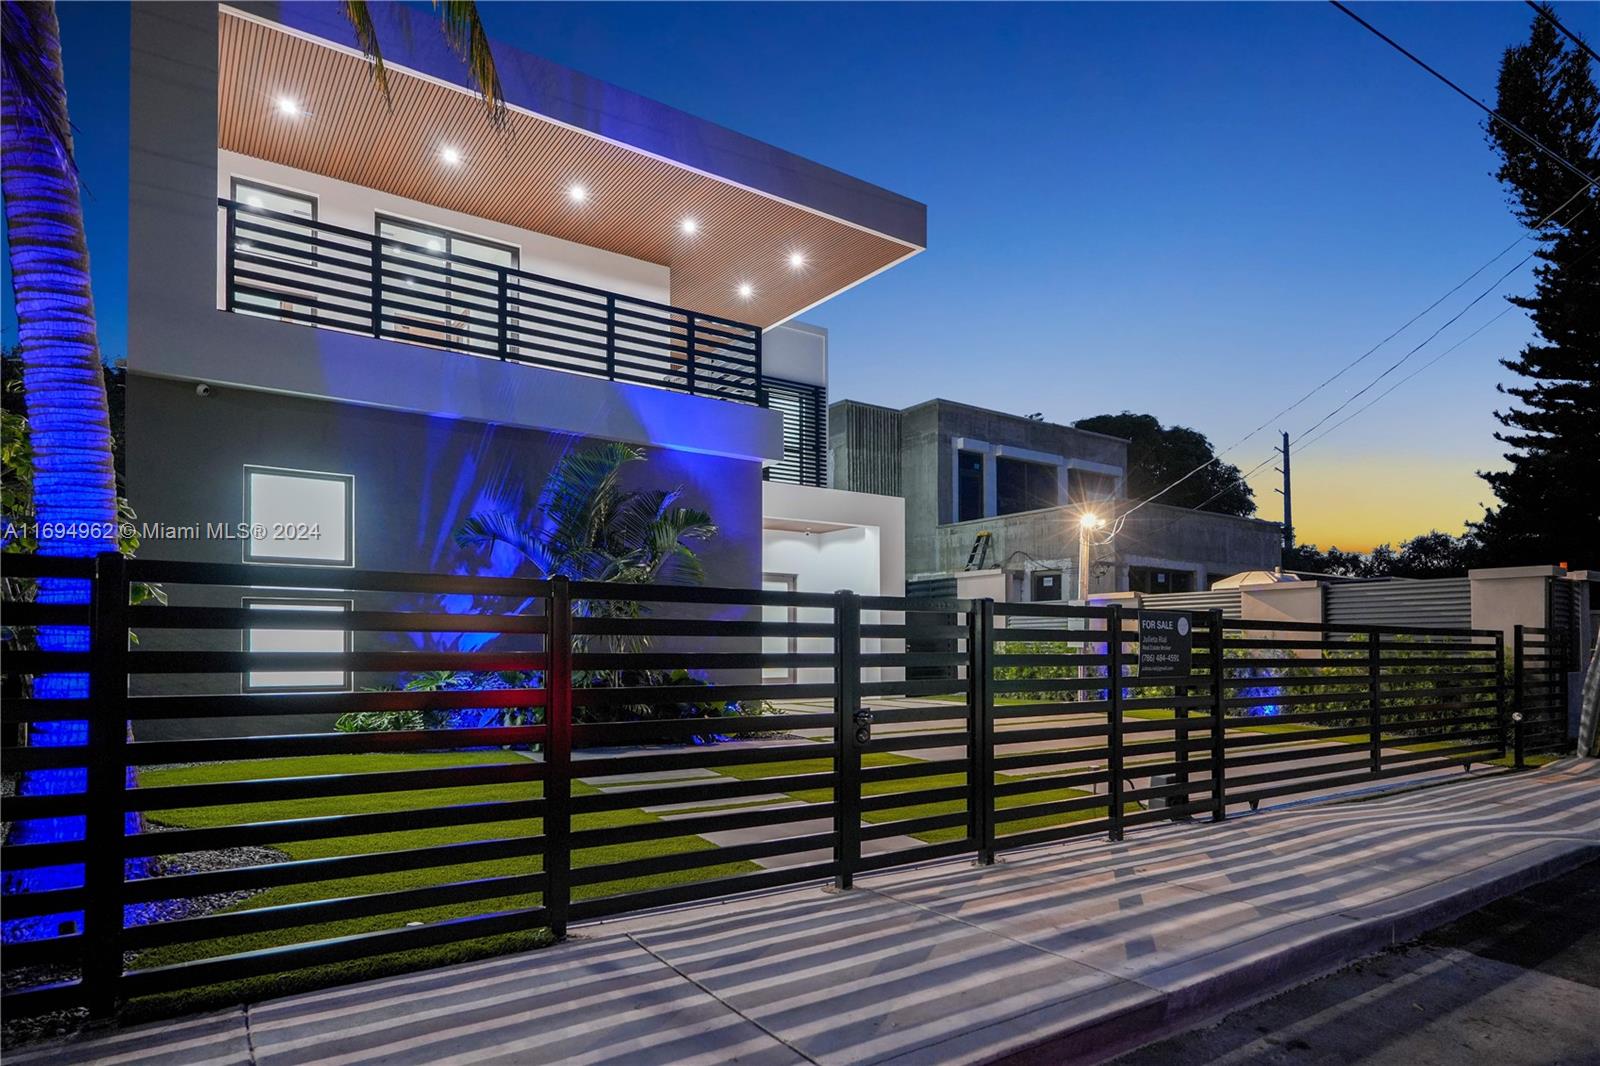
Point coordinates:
[[645, 166]]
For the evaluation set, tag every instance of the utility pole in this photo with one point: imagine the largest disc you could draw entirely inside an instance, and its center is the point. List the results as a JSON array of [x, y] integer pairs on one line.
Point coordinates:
[[1288, 499]]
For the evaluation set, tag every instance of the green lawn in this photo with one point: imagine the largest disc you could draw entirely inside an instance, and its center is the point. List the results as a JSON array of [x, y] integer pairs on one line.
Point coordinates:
[[385, 802]]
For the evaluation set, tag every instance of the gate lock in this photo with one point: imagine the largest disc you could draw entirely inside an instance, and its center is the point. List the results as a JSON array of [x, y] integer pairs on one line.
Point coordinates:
[[863, 718]]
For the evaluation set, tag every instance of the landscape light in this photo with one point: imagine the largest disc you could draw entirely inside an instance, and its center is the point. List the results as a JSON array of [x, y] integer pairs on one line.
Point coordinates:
[[689, 226], [577, 193], [451, 156]]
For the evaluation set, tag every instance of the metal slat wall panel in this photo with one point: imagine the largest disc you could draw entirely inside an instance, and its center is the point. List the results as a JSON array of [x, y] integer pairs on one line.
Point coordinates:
[[1444, 602], [1228, 601], [805, 432], [866, 448]]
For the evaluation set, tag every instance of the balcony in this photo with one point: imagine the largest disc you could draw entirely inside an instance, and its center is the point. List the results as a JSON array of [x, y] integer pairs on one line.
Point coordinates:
[[297, 269]]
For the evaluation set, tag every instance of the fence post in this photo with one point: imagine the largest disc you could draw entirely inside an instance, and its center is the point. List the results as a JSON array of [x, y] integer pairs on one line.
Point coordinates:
[[1517, 685], [1114, 719], [1374, 697], [847, 750], [1219, 751], [1500, 721], [558, 756], [980, 728], [105, 781]]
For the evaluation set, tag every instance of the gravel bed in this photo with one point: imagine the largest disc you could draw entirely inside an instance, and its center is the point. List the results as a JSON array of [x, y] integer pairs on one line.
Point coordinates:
[[27, 1030]]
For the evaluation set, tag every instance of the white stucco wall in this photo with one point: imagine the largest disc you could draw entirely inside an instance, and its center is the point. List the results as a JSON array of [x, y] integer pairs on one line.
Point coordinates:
[[796, 351]]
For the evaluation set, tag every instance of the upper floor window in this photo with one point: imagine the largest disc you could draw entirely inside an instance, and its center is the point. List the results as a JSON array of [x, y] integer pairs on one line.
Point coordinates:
[[1086, 487], [299, 516], [271, 250], [969, 486], [439, 285], [1024, 486]]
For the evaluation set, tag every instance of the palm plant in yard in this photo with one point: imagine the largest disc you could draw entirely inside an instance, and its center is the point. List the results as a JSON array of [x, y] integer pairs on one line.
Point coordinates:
[[586, 526]]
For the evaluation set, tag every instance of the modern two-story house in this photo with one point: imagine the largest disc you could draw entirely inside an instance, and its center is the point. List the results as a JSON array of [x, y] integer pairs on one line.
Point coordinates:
[[376, 316], [999, 500]]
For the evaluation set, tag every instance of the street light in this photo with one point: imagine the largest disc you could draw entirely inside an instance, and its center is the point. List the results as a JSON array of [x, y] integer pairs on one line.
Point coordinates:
[[1087, 524]]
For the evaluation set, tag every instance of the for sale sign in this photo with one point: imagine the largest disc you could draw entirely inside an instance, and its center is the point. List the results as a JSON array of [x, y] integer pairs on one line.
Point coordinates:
[[1165, 644]]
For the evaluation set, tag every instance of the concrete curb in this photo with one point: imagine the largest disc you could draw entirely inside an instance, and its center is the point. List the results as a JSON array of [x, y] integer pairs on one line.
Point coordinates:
[[1230, 990]]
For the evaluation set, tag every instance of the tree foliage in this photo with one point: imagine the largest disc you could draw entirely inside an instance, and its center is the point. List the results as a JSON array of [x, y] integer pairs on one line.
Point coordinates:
[[1432, 554], [1549, 498], [1159, 455]]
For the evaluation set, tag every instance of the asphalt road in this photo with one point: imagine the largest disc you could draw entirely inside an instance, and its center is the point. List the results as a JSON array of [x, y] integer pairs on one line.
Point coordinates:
[[1515, 984]]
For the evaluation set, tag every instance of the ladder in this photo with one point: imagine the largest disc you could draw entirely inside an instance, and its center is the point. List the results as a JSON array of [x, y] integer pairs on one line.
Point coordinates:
[[979, 553]]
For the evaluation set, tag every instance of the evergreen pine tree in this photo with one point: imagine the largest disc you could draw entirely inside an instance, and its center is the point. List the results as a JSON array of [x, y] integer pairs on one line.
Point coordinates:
[[1549, 499]]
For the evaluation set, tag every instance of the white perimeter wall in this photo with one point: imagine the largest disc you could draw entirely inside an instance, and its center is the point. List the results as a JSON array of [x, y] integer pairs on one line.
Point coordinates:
[[867, 557]]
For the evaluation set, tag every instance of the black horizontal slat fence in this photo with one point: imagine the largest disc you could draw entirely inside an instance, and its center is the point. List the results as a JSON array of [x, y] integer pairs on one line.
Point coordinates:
[[568, 750], [299, 269]]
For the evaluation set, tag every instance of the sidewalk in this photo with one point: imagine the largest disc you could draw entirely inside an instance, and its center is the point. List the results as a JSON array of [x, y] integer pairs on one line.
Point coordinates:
[[1062, 954]]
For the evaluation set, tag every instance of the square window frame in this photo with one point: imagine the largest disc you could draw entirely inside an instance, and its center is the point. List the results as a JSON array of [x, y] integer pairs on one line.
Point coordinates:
[[348, 607], [348, 480]]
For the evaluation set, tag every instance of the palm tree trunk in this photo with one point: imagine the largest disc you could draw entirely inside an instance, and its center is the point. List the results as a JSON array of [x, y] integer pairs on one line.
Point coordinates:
[[75, 480]]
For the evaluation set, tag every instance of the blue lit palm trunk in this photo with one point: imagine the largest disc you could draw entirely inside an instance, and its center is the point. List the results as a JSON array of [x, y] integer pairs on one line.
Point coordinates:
[[75, 482]]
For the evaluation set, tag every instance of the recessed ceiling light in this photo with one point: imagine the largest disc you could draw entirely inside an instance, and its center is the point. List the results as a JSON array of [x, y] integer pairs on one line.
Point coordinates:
[[288, 105], [451, 156], [797, 260], [746, 290], [689, 226], [577, 193]]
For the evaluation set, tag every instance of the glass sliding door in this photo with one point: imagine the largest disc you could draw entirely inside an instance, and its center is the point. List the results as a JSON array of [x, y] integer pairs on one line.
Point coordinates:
[[442, 287]]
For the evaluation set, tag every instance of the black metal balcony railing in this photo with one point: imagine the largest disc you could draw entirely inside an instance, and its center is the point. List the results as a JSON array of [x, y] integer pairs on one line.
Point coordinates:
[[300, 270]]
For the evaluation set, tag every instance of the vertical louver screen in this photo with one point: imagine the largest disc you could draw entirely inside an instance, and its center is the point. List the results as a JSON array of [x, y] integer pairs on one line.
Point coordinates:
[[805, 432]]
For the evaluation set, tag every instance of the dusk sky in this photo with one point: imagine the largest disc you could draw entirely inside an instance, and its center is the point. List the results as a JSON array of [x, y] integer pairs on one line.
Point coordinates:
[[1198, 211]]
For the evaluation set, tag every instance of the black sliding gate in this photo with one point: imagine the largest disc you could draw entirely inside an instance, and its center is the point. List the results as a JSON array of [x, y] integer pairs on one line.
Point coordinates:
[[492, 759]]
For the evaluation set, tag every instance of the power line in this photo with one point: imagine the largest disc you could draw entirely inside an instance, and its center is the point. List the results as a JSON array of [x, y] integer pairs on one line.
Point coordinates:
[[1497, 116], [1530, 234], [1507, 309], [1550, 17], [1392, 367]]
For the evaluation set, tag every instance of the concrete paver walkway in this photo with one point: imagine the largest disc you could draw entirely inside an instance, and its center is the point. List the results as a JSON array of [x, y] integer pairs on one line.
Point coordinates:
[[1061, 954]]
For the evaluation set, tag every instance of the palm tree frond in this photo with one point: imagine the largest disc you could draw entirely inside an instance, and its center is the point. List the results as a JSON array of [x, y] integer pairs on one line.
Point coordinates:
[[32, 72], [485, 529], [360, 18], [464, 30]]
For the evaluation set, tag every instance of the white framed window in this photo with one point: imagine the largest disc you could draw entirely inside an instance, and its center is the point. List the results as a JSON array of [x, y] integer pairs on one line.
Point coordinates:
[[299, 516], [267, 638]]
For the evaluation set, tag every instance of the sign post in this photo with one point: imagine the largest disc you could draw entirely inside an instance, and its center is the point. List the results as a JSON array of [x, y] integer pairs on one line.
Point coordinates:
[[1166, 643]]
